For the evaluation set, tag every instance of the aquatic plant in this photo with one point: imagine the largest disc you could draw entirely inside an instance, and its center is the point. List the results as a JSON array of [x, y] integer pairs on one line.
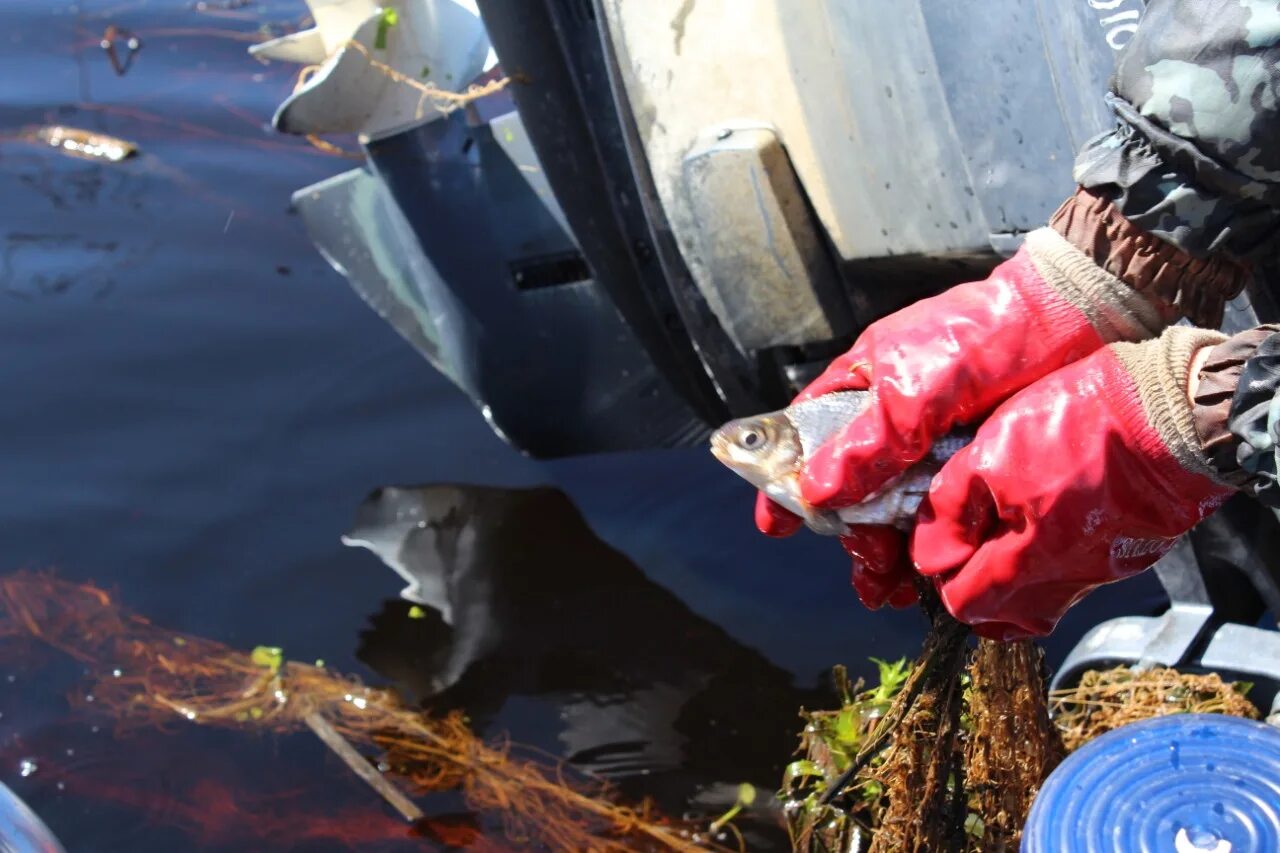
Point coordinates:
[[939, 756], [968, 752], [155, 678]]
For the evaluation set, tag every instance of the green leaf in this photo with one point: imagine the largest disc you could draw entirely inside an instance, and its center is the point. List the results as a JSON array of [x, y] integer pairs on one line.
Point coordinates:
[[390, 17], [847, 727], [892, 677], [270, 657], [974, 826], [1242, 687], [799, 768]]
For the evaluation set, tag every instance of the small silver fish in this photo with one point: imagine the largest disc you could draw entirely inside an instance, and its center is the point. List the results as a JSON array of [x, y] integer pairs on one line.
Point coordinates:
[[769, 451]]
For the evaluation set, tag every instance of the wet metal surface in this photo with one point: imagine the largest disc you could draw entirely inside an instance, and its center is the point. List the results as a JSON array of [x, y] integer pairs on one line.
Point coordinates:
[[195, 406]]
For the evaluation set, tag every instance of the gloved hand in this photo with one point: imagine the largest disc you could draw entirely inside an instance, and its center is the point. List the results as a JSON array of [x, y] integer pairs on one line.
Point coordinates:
[[1086, 477], [946, 361], [950, 359]]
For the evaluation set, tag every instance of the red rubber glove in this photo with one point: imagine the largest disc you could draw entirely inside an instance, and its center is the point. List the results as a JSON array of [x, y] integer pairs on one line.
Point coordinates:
[[882, 571], [951, 359], [1086, 477], [946, 361]]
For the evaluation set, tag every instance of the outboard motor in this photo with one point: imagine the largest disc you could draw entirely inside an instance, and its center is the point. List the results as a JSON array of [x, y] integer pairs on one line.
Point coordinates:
[[678, 212]]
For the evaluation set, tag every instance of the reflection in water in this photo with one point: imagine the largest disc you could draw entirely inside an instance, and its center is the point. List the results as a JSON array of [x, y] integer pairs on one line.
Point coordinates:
[[201, 801], [526, 601]]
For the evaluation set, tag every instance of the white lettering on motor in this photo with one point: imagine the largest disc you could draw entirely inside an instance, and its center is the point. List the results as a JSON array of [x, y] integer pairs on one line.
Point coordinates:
[[1121, 26]]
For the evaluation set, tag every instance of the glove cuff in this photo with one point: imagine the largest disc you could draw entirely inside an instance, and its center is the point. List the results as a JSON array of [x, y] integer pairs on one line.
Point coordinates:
[[1174, 282], [1115, 310], [1160, 370]]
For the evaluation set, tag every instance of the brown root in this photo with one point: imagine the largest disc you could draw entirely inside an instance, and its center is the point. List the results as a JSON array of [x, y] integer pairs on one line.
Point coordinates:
[[954, 763], [443, 100], [920, 769], [1013, 745]]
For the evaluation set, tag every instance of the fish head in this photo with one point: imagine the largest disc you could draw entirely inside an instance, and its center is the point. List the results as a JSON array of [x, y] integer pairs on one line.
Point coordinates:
[[769, 451], [764, 450]]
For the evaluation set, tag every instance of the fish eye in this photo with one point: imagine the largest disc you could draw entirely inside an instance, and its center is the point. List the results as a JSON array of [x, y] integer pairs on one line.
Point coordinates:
[[751, 439]]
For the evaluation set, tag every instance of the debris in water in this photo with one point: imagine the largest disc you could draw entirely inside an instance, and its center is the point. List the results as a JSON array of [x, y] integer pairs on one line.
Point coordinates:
[[85, 144], [540, 803], [269, 657], [829, 744], [221, 5], [113, 38], [354, 760], [27, 767]]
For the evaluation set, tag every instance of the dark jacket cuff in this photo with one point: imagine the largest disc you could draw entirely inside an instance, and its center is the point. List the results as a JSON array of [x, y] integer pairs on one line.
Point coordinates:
[[1232, 406], [1176, 283]]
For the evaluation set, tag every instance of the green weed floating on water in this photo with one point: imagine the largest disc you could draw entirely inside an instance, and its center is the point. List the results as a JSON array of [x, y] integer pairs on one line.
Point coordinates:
[[829, 743]]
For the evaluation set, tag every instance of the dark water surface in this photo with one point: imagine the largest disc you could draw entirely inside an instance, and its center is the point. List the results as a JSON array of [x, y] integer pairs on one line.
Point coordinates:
[[194, 406]]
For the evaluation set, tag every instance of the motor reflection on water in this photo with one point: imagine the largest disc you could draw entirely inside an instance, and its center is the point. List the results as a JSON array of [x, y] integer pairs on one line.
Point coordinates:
[[523, 600], [197, 405]]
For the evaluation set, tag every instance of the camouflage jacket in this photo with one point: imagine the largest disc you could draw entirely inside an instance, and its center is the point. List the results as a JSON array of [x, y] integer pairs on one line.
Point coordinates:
[[1195, 160]]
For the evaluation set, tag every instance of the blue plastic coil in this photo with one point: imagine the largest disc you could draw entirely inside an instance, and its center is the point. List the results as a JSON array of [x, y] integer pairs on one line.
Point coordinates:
[[20, 830], [1184, 783]]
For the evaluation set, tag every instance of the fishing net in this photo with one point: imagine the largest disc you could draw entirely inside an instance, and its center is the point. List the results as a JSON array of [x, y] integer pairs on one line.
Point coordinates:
[[156, 678], [943, 754], [948, 757], [1107, 699], [947, 754], [1012, 746]]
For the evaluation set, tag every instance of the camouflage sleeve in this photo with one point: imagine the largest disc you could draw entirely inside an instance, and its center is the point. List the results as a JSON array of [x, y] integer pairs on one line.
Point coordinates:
[[1195, 156]]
